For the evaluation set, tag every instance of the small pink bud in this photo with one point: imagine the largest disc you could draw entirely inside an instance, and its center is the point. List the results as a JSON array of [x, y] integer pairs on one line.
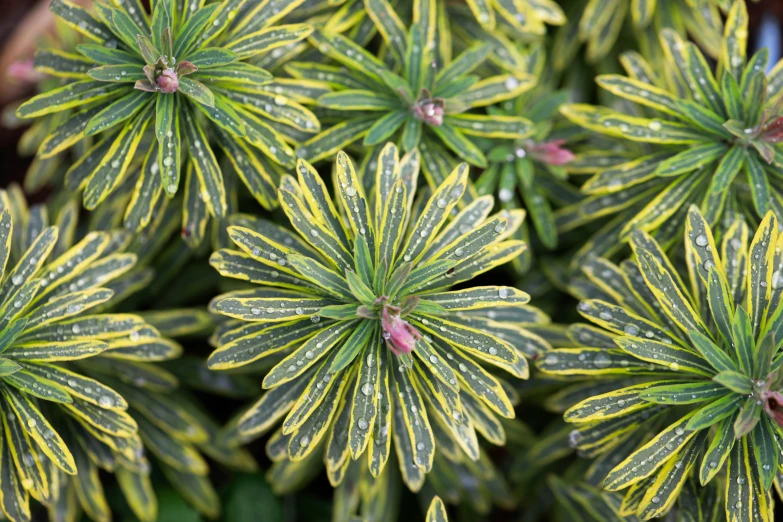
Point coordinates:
[[167, 81], [773, 131], [430, 113], [773, 405], [24, 71], [552, 152], [400, 336]]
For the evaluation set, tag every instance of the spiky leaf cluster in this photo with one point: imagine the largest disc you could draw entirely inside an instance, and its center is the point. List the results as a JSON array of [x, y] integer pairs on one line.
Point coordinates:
[[184, 74], [51, 328], [599, 24], [694, 368], [708, 139], [149, 418], [419, 98], [530, 172], [523, 18], [356, 302]]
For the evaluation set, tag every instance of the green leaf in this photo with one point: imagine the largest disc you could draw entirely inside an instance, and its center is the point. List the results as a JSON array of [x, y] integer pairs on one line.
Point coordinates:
[[493, 90], [349, 54], [364, 399], [437, 511], [727, 169], [734, 381], [148, 50], [610, 405], [36, 425], [480, 344], [8, 367], [333, 139], [117, 112], [666, 355], [61, 64], [661, 495], [742, 340], [748, 418], [308, 354], [53, 352], [411, 416], [37, 386], [356, 100], [687, 393], [108, 173], [640, 92], [613, 123], [691, 159], [353, 345], [714, 412], [359, 289], [238, 72], [205, 166], [649, 458], [196, 91], [69, 96], [385, 127], [718, 451], [463, 64], [732, 53], [267, 309], [209, 57], [717, 358], [268, 39], [496, 126], [108, 56], [270, 408], [193, 29]]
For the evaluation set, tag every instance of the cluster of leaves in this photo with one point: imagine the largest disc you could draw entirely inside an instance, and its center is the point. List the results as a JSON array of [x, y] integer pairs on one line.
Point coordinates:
[[690, 373], [95, 396], [369, 343], [699, 133], [143, 71], [599, 25], [352, 300]]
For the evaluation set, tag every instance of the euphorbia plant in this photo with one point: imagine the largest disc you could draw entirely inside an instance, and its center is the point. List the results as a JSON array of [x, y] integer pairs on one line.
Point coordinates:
[[417, 98], [51, 327], [599, 24], [151, 71], [531, 172], [356, 302], [709, 139], [695, 369], [157, 424]]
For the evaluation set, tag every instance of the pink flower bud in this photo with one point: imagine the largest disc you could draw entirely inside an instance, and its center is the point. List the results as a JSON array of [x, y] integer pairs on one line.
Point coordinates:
[[773, 131], [167, 81], [429, 112], [552, 152], [24, 72], [773, 405], [400, 336]]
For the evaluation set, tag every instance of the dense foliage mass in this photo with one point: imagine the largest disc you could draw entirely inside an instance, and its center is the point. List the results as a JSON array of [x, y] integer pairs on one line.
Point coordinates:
[[363, 232]]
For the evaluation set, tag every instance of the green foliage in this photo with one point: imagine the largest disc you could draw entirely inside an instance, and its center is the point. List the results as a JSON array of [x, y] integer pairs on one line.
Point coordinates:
[[369, 302], [707, 139], [356, 302], [599, 24], [119, 406], [694, 365], [418, 98], [150, 71]]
